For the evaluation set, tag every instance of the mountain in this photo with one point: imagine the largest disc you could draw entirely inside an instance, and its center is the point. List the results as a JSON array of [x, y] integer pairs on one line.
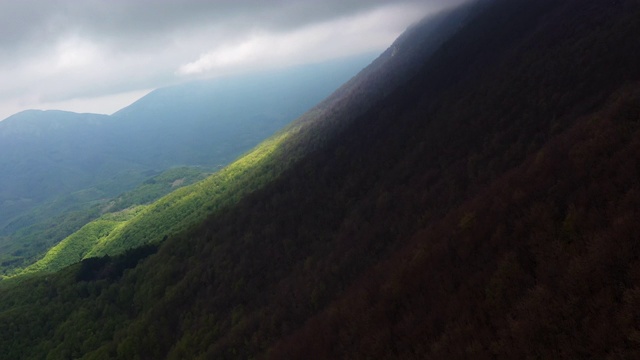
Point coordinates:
[[190, 206], [44, 154], [54, 162], [36, 159], [478, 202], [211, 123]]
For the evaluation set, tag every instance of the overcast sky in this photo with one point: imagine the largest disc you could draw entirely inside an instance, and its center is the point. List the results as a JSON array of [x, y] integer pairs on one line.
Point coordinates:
[[101, 55]]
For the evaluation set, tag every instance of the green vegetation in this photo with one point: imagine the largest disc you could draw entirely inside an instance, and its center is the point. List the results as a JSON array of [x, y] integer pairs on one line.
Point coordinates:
[[156, 187], [49, 156], [81, 243], [22, 248], [187, 207], [114, 233], [485, 207]]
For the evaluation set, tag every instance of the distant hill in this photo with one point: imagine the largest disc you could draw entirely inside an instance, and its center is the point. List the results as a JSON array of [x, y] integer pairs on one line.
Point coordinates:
[[212, 122], [472, 193]]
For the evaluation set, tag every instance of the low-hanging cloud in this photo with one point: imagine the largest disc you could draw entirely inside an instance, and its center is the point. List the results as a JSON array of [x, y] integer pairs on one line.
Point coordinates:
[[322, 41], [58, 50]]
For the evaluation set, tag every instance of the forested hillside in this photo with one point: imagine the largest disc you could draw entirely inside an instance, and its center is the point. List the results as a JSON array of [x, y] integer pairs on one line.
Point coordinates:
[[471, 194], [189, 207], [30, 244]]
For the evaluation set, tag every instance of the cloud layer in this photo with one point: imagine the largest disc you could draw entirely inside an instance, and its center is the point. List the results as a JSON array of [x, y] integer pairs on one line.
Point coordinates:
[[59, 51]]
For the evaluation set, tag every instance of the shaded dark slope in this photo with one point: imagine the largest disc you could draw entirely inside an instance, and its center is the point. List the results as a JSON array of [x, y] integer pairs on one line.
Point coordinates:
[[401, 166], [544, 263], [145, 308], [436, 222], [303, 239]]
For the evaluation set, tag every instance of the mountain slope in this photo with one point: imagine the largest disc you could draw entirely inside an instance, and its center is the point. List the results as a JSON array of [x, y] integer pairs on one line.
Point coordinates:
[[58, 165], [24, 247], [541, 263], [67, 300], [48, 154], [227, 114], [182, 209], [189, 207], [461, 213]]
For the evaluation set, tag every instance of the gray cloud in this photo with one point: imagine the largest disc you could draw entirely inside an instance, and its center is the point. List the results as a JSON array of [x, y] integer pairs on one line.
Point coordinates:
[[29, 22], [53, 50]]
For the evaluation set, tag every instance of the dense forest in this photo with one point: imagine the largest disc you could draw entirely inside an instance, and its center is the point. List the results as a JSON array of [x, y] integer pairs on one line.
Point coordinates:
[[24, 247], [472, 193]]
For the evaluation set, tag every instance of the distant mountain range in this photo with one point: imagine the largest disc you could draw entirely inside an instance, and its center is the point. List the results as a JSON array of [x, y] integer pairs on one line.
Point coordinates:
[[47, 154]]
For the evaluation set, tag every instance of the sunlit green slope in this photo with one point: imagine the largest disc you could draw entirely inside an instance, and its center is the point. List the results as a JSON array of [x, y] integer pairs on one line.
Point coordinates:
[[113, 233], [189, 206], [60, 170], [67, 238], [73, 248]]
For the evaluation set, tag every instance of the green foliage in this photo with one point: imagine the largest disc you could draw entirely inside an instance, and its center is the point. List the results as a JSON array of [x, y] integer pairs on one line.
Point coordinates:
[[78, 245], [187, 207], [114, 233], [156, 187], [21, 249], [45, 155], [433, 220]]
